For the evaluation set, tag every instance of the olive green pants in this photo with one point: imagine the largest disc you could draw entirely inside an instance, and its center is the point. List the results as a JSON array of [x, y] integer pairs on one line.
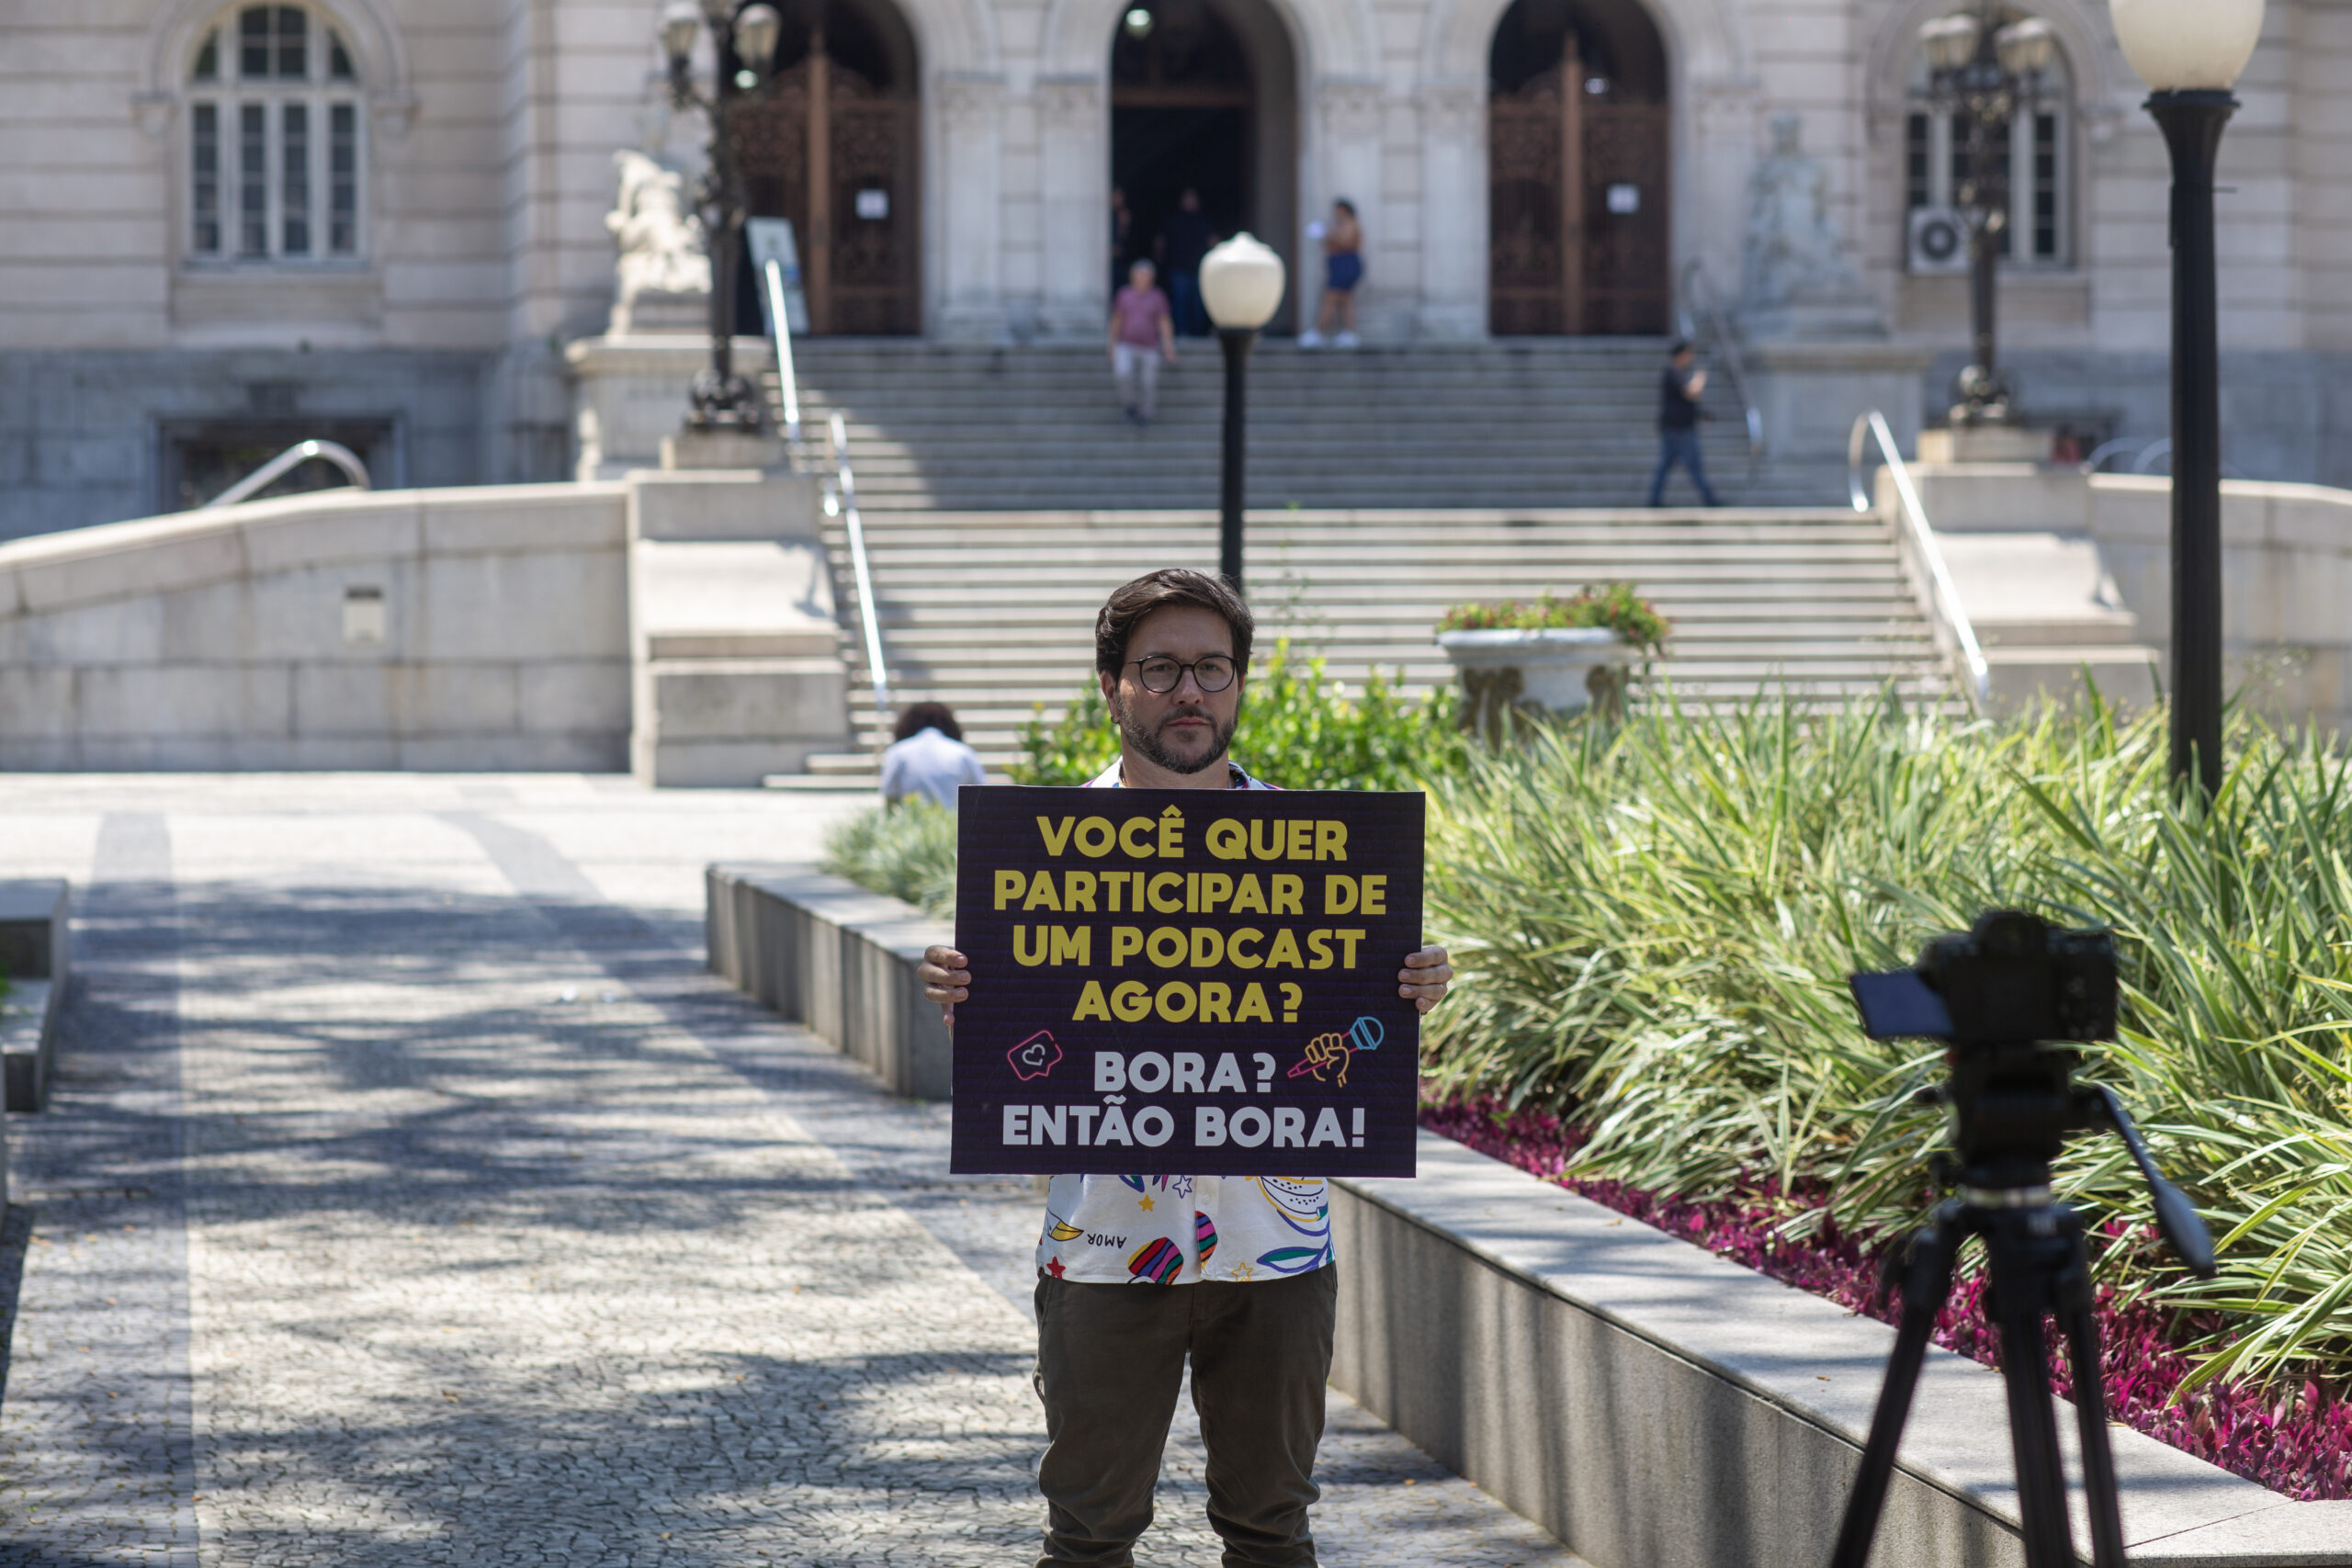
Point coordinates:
[[1110, 1359]]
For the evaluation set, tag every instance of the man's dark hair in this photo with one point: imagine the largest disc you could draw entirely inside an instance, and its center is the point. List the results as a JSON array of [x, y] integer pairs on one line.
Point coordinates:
[[1131, 602], [916, 717], [1681, 346], [1344, 205]]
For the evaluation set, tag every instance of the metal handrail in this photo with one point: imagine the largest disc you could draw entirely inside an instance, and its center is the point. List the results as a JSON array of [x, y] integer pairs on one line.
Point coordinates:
[[1923, 539], [784, 352], [293, 458], [840, 499], [2149, 456], [1699, 291]]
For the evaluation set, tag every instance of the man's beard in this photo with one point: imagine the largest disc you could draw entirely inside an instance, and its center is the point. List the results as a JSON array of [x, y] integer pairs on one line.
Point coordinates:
[[1147, 743]]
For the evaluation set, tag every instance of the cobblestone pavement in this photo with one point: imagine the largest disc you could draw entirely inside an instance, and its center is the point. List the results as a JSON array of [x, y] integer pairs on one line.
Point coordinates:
[[410, 1195]]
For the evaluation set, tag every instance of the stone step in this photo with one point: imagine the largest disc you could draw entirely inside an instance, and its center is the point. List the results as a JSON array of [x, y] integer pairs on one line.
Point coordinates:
[[1018, 428], [2124, 673], [990, 612], [2118, 629]]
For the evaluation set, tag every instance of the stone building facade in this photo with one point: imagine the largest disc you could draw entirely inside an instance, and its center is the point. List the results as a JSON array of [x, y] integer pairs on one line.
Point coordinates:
[[223, 223]]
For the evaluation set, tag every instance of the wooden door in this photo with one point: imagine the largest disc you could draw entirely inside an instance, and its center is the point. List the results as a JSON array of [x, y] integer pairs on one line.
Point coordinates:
[[1533, 259], [839, 157], [1569, 251], [1628, 262]]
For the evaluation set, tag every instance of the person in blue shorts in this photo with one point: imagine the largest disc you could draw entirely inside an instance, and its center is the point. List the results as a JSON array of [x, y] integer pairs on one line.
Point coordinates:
[[1342, 240]]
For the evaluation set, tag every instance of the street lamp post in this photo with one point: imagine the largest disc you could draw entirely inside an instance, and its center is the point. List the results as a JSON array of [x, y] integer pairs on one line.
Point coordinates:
[[744, 48], [1982, 74], [2190, 53], [1242, 285]]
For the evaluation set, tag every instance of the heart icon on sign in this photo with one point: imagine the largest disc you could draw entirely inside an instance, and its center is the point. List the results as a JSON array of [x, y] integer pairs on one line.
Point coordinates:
[[1035, 1058]]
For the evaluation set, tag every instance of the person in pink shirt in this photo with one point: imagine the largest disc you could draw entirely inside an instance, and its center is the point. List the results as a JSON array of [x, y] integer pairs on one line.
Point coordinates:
[[1143, 336]]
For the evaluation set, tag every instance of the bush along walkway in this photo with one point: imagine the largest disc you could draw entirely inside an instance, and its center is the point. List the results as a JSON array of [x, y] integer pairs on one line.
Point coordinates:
[[2297, 1442], [1654, 924]]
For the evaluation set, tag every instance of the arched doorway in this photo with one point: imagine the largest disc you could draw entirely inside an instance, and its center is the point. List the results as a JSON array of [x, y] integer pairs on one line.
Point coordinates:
[[835, 147], [1202, 97], [1577, 159]]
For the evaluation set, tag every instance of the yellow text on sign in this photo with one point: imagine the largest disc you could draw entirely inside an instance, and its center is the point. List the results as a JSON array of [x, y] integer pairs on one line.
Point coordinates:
[[1162, 837], [1159, 892]]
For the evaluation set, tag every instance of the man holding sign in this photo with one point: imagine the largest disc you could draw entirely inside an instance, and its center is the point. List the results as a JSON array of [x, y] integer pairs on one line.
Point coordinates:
[[1193, 987]]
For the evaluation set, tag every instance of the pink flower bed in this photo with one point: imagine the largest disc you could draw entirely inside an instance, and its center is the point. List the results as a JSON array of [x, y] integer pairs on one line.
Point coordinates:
[[2295, 1442]]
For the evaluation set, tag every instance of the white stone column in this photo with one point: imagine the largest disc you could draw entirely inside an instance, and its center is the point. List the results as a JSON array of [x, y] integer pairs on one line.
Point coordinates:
[[1453, 210], [965, 202], [1074, 129]]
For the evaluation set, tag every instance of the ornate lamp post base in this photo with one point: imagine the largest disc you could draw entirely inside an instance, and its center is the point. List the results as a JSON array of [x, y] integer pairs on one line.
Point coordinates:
[[1984, 398], [723, 402]]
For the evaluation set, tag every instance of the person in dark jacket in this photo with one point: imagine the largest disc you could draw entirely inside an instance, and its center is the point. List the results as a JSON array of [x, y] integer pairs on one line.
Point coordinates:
[[1677, 425], [1184, 239]]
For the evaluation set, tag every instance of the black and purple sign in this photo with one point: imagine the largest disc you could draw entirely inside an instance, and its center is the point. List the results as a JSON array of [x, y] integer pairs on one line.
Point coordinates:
[[1187, 982]]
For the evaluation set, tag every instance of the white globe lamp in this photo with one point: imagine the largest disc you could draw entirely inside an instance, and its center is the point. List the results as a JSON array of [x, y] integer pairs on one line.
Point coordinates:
[[1241, 284], [2188, 45]]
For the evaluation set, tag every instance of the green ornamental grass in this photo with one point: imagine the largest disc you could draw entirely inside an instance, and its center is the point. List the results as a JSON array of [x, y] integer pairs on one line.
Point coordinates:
[[1654, 922]]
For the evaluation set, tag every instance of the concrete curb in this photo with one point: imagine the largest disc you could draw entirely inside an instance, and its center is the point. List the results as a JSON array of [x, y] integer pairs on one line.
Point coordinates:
[[36, 954], [837, 958], [1651, 1404]]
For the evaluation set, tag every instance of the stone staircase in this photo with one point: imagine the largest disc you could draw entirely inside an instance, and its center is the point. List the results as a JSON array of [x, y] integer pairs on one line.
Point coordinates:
[[1532, 422], [993, 612], [2049, 616]]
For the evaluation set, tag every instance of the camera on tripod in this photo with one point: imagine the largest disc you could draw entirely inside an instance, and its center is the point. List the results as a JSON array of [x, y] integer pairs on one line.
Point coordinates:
[[2011, 995], [2012, 978], [2000, 994]]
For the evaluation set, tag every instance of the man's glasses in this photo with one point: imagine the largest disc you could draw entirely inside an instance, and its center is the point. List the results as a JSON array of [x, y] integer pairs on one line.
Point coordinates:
[[1161, 676]]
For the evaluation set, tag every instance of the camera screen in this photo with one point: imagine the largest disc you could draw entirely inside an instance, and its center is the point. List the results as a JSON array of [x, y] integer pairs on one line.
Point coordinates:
[[1896, 1004]]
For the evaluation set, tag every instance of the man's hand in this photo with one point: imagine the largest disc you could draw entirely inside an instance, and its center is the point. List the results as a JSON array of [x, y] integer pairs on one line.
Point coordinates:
[[947, 982], [1424, 978]]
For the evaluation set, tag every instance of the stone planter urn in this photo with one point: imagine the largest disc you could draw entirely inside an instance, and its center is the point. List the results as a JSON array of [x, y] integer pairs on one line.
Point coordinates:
[[1549, 673]]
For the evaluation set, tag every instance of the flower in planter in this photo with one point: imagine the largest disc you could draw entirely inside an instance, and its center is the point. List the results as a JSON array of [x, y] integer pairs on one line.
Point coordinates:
[[1614, 605]]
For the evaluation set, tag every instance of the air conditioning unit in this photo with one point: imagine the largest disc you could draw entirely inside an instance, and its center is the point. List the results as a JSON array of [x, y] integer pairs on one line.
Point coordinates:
[[1939, 240]]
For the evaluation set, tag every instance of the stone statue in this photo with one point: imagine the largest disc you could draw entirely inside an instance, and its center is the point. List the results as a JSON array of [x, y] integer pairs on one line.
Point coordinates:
[[663, 279], [1798, 281]]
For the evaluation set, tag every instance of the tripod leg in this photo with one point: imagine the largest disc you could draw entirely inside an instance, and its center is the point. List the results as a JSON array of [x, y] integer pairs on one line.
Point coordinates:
[[2081, 1329], [2020, 1296], [1926, 1281]]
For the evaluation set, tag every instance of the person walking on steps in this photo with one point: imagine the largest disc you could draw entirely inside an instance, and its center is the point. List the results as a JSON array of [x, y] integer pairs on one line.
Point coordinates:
[[1342, 240], [1114, 1325], [1143, 337], [1677, 425]]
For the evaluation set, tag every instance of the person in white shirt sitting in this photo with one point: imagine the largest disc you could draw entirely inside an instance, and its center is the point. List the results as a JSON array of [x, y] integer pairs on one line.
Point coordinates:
[[930, 759]]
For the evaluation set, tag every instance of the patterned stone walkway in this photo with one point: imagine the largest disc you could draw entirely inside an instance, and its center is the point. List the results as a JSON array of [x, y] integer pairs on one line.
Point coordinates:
[[410, 1195]]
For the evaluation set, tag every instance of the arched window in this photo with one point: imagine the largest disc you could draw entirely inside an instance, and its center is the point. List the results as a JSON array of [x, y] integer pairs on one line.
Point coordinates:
[[274, 140], [2039, 145]]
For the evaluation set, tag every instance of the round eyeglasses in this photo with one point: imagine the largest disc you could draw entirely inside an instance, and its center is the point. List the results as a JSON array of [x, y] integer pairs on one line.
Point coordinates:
[[1162, 675]]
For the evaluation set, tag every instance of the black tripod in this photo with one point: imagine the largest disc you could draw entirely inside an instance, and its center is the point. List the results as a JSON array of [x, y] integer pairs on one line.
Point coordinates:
[[2013, 1107]]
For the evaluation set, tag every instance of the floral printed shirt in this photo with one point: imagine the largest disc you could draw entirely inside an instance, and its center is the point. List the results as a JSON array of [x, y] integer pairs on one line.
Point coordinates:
[[1179, 1230]]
